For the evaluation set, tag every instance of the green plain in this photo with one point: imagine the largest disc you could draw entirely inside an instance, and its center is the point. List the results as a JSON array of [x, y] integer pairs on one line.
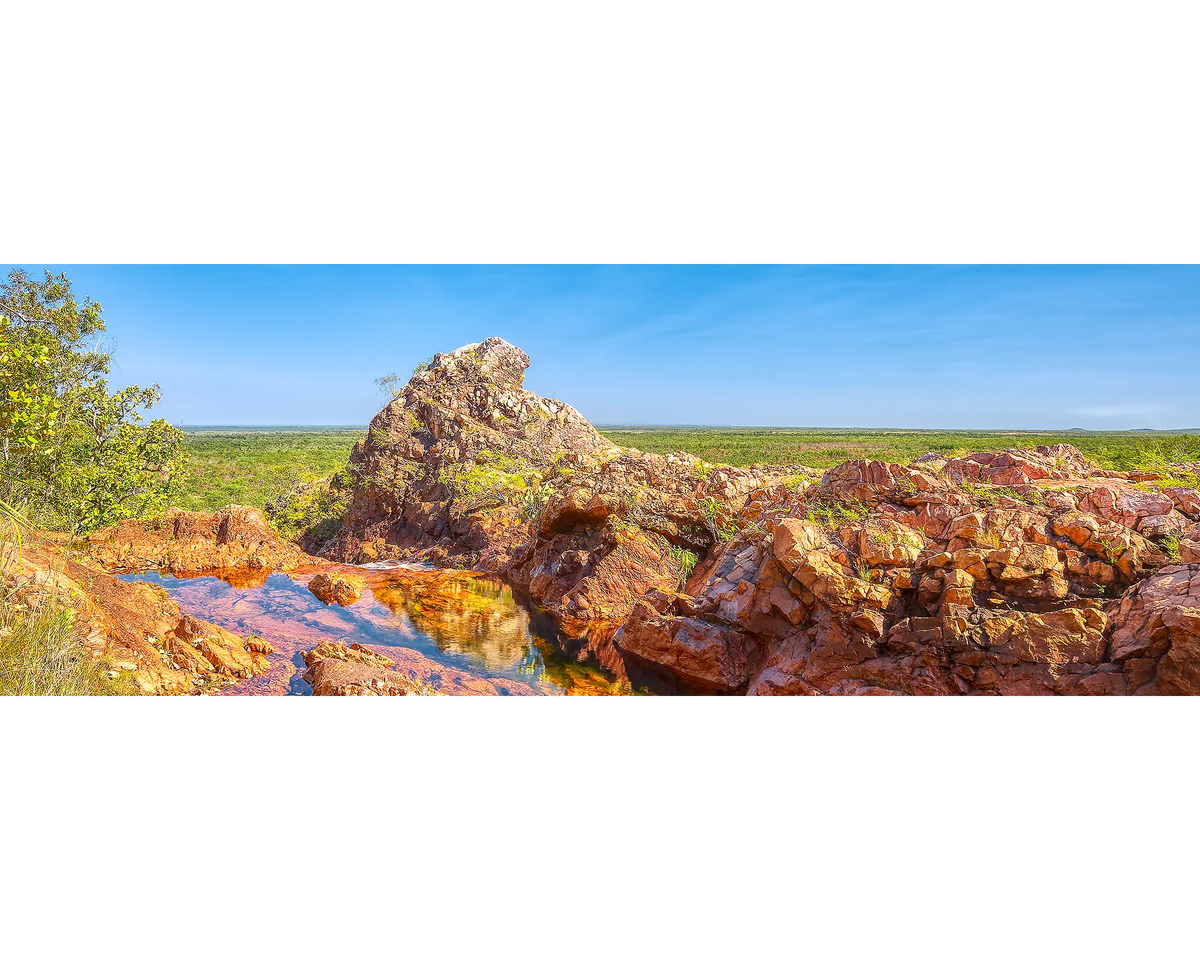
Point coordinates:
[[824, 448], [253, 466]]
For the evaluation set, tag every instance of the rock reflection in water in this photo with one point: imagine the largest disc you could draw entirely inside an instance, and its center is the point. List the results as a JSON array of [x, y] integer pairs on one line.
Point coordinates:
[[581, 655], [243, 578], [472, 615], [480, 616]]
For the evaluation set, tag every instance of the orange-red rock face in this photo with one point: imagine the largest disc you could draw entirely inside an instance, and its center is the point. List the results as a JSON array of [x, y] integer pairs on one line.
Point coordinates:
[[882, 581], [183, 542], [140, 630], [467, 469], [357, 670], [340, 588], [991, 573], [1156, 638]]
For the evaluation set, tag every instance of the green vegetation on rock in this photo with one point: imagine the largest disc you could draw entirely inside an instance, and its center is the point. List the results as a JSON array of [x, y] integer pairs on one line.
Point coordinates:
[[311, 513], [687, 561], [833, 513], [1170, 546]]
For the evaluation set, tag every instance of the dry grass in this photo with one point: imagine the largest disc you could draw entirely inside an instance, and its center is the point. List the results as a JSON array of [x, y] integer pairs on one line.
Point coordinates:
[[41, 653], [42, 656]]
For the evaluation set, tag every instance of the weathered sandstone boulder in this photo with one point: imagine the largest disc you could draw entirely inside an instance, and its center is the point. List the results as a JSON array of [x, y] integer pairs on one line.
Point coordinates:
[[708, 656], [1012, 467], [355, 670], [1157, 633], [337, 587], [184, 541]]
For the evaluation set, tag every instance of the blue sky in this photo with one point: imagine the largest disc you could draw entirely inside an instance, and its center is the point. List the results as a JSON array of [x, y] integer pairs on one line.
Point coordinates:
[[982, 347]]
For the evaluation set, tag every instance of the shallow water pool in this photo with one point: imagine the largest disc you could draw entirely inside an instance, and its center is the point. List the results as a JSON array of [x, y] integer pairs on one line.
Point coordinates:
[[460, 632]]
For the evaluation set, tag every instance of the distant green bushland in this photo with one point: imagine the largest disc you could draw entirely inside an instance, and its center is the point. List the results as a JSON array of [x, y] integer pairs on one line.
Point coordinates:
[[825, 448], [254, 467]]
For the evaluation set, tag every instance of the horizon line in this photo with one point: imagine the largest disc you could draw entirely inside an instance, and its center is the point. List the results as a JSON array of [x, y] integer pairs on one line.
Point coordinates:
[[725, 426]]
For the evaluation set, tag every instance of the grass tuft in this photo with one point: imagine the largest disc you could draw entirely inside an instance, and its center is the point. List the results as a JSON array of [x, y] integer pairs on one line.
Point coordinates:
[[41, 655], [686, 560], [1170, 546]]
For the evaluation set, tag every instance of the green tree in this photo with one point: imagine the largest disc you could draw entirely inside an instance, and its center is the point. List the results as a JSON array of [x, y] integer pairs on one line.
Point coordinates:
[[389, 386], [75, 454]]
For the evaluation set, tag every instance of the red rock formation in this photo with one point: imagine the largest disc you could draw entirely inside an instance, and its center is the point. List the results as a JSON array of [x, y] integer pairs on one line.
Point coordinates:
[[338, 670], [1157, 633], [879, 581], [981, 574], [465, 468], [183, 541], [337, 587]]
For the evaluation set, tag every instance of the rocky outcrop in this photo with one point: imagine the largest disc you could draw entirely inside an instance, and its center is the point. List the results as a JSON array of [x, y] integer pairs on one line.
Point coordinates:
[[337, 670], [340, 588], [710, 655], [355, 670], [184, 541], [999, 572], [134, 626], [1011, 467], [1157, 635], [202, 648], [888, 579], [466, 468]]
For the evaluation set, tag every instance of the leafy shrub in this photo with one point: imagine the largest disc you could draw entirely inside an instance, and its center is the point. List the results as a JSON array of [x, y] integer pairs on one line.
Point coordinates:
[[78, 455], [1110, 548], [389, 386], [493, 479], [311, 514], [686, 560], [534, 501], [720, 523], [833, 513], [1170, 546]]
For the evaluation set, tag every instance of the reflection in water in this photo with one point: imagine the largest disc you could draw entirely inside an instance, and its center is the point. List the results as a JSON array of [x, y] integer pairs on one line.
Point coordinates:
[[469, 615], [462, 620], [244, 578]]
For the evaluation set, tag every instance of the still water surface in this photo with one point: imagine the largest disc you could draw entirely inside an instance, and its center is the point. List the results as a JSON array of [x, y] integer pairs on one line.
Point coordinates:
[[467, 624]]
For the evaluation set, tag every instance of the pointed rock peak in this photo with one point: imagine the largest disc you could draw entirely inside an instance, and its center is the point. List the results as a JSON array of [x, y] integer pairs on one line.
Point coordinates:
[[494, 359]]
